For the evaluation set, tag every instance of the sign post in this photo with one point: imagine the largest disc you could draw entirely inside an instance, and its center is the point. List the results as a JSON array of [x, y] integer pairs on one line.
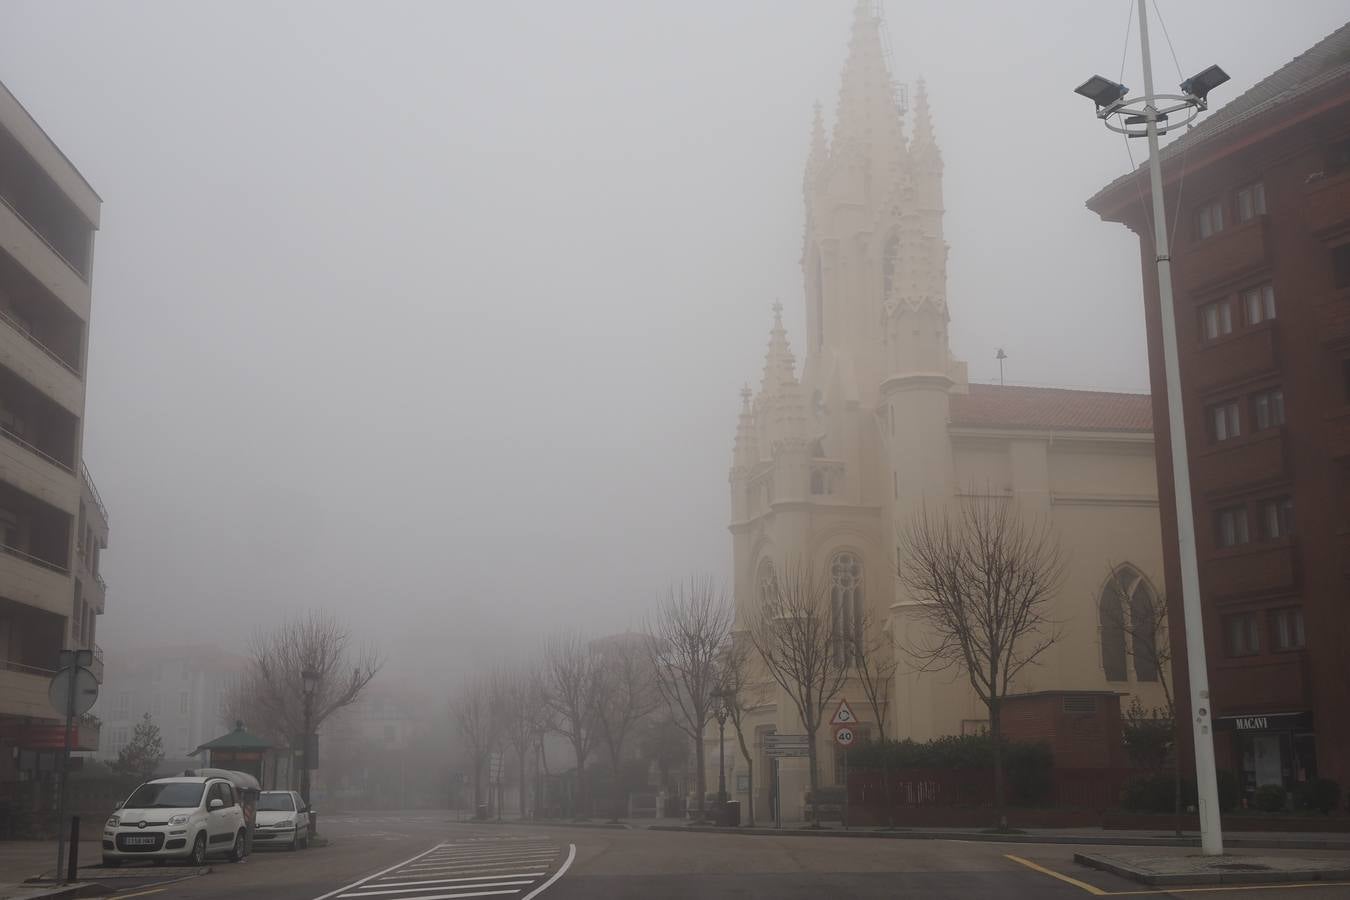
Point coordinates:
[[72, 692], [844, 737]]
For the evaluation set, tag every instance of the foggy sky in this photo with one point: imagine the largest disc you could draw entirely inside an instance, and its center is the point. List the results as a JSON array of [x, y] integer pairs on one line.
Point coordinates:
[[436, 313]]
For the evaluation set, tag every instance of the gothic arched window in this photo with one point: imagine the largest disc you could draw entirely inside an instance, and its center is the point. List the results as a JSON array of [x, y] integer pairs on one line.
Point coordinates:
[[846, 599], [766, 583], [1128, 593], [820, 300]]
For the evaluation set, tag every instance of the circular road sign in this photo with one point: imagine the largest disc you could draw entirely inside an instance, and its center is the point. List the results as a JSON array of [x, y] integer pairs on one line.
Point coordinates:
[[86, 691], [843, 735]]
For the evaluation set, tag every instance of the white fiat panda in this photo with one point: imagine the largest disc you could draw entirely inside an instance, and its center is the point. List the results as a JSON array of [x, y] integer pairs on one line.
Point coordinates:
[[183, 818]]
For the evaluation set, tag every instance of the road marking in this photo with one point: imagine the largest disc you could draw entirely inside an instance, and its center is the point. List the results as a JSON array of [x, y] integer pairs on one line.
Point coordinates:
[[449, 896], [1091, 889], [444, 887], [141, 893], [567, 864], [431, 881], [362, 881], [1153, 892]]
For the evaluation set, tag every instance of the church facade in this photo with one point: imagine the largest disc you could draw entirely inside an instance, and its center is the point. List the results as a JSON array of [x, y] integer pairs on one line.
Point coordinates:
[[833, 459]]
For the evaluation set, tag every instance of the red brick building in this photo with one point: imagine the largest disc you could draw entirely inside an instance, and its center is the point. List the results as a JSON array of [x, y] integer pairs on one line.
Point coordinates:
[[1261, 271]]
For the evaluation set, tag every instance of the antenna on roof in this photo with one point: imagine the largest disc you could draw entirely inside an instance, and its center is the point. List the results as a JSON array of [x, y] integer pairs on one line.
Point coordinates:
[[1000, 356]]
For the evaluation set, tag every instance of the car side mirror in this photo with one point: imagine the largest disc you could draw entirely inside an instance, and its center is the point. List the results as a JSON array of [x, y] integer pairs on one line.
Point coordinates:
[[217, 803]]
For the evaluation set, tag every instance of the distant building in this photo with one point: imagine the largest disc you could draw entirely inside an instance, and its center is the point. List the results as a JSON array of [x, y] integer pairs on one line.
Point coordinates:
[[881, 423], [1261, 272], [183, 688], [53, 526]]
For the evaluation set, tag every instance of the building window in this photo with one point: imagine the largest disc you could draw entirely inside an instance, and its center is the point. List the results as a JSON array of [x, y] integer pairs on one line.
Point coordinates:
[[1286, 629], [1209, 218], [1277, 517], [1128, 592], [122, 709], [1251, 201], [1223, 421], [1242, 634], [1268, 409], [1258, 304], [183, 703], [1216, 319], [767, 583], [846, 602], [1231, 526], [156, 705]]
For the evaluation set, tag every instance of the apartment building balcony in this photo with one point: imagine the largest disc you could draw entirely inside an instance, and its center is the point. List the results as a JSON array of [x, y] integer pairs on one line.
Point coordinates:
[[1326, 205], [1242, 462], [23, 690], [1338, 433], [30, 193], [1333, 317], [1275, 682], [1227, 255], [21, 241], [95, 592], [97, 665], [1251, 353], [1256, 568]]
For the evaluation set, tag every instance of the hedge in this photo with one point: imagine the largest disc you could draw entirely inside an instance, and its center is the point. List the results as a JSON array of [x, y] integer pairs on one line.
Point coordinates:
[[1026, 766]]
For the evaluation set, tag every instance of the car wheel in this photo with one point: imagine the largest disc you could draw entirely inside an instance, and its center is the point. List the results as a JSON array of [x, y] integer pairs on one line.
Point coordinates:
[[111, 862], [198, 857], [237, 850]]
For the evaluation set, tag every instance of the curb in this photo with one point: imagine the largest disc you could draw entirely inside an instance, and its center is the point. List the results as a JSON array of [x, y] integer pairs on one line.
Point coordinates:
[[1080, 840], [1165, 879]]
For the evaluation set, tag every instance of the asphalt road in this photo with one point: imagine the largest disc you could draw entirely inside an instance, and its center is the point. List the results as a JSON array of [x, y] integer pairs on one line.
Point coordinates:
[[430, 856]]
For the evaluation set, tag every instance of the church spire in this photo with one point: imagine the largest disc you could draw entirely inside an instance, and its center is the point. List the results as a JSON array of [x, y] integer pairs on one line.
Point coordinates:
[[780, 366], [868, 119], [746, 451], [923, 148], [820, 151]]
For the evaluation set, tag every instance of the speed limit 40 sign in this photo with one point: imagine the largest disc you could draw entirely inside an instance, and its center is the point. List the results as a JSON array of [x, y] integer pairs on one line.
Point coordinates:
[[844, 736]]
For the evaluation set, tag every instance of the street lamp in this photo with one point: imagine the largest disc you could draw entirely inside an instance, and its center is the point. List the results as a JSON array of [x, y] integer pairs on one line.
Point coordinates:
[[309, 683], [721, 713], [1149, 116]]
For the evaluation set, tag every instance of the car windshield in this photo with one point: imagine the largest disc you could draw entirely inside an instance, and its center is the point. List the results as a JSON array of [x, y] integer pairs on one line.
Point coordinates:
[[279, 801], [165, 795]]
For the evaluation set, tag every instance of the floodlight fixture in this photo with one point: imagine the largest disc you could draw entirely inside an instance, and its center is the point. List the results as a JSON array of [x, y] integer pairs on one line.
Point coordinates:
[[1101, 91], [1200, 85]]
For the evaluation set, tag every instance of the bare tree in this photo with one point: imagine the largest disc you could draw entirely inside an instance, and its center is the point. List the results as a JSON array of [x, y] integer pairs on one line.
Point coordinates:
[[624, 696], [984, 578], [874, 665], [314, 646], [570, 673], [517, 697], [741, 693], [474, 715], [685, 642], [792, 630], [1140, 613]]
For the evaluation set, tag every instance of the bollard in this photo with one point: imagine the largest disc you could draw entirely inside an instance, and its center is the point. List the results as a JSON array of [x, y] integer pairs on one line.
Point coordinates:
[[73, 862]]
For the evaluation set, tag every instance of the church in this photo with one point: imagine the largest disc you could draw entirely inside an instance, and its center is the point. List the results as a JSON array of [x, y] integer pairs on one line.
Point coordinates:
[[833, 459]]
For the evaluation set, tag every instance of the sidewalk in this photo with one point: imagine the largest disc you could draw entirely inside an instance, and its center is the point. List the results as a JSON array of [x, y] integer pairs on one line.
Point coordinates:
[[20, 860], [1171, 869], [1307, 840]]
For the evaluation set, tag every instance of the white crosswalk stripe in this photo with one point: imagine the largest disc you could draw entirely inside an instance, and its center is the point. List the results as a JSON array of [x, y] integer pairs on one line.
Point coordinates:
[[462, 869]]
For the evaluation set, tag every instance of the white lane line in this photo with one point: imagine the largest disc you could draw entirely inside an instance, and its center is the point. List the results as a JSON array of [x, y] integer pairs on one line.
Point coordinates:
[[453, 896], [567, 864], [492, 854], [435, 881], [416, 892], [457, 867], [362, 881], [513, 862]]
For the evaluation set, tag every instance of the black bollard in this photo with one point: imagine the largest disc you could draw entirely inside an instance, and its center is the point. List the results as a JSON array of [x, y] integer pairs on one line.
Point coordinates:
[[73, 862]]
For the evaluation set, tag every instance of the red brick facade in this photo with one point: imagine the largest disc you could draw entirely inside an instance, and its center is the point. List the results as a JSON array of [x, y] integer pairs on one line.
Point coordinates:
[[1263, 327]]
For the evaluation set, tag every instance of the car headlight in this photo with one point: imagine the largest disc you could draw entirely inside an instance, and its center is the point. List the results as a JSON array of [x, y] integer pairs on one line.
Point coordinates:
[[113, 822], [180, 819], [285, 823]]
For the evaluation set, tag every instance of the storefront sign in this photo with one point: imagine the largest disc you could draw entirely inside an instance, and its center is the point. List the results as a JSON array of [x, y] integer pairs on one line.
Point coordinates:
[[1300, 721]]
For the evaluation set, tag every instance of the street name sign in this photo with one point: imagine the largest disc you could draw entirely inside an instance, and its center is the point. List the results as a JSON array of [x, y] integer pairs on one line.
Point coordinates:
[[787, 745]]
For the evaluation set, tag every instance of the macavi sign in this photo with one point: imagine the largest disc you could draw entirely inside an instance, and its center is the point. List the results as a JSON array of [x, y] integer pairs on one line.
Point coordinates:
[[1252, 723]]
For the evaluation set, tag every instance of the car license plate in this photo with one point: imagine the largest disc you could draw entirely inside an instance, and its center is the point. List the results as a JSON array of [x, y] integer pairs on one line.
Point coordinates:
[[139, 839]]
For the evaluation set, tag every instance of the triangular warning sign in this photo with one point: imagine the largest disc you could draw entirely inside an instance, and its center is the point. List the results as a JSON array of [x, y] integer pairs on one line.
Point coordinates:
[[844, 714]]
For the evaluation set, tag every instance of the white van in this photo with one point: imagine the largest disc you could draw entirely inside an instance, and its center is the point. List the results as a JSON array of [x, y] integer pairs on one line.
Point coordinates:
[[183, 818]]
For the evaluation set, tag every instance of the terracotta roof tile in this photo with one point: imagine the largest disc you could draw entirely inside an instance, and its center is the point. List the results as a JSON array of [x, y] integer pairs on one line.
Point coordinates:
[[997, 406]]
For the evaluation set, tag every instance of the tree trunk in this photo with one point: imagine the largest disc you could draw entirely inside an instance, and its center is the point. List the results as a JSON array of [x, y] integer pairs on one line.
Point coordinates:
[[886, 784], [814, 781], [700, 777], [523, 750], [1176, 772], [477, 783], [581, 783], [750, 794], [996, 733]]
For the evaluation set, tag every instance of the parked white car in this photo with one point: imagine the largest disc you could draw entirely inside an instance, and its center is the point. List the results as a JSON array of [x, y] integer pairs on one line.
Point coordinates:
[[282, 819], [177, 818]]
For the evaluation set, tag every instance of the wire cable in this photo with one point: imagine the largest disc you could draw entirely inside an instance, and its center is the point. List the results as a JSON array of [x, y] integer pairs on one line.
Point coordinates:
[[1129, 18], [1157, 12]]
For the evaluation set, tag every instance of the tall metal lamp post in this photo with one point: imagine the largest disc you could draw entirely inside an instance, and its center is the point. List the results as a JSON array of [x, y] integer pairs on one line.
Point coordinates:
[[309, 683], [1149, 116], [722, 713]]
